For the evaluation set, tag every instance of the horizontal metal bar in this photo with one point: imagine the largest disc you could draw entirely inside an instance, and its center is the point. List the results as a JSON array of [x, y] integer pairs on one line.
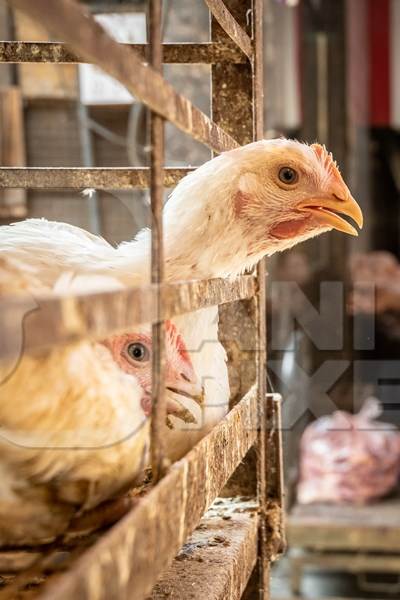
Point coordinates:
[[63, 320], [184, 53], [157, 158], [70, 22], [224, 550], [79, 178], [130, 558], [230, 26]]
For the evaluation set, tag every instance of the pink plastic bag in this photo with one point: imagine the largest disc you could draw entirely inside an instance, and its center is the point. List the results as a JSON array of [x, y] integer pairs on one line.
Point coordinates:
[[347, 458]]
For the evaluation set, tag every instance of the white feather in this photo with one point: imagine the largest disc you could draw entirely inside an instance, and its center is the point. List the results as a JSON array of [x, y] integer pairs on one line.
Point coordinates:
[[73, 430]]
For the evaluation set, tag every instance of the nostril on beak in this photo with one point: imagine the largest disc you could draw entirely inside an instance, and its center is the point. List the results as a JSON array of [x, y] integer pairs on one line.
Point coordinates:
[[338, 198], [185, 377]]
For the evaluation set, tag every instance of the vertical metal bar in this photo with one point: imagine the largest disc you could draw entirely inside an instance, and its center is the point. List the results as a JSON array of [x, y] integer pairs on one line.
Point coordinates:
[[228, 82], [258, 70], [279, 475], [157, 258], [233, 81], [262, 483], [244, 120]]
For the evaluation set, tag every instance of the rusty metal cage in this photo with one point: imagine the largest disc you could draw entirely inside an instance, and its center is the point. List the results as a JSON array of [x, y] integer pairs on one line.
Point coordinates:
[[129, 559]]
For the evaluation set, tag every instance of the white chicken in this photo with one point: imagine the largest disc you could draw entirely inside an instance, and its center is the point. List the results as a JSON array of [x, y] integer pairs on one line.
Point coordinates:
[[74, 420], [219, 221]]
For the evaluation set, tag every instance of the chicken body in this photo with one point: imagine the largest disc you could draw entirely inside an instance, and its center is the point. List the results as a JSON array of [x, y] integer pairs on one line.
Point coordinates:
[[75, 428], [56, 462], [219, 221]]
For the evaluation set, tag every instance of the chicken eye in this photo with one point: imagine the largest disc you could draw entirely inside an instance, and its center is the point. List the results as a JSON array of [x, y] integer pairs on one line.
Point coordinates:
[[288, 175], [138, 352]]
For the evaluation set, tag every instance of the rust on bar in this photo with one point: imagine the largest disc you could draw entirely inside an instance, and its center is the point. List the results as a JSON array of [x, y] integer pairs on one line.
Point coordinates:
[[99, 178], [68, 20], [129, 559], [159, 412], [62, 320], [183, 53], [258, 71], [275, 508], [230, 26], [266, 416], [237, 321], [228, 81]]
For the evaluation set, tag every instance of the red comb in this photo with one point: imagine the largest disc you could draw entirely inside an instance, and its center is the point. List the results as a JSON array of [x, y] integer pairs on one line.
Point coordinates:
[[327, 161], [177, 340]]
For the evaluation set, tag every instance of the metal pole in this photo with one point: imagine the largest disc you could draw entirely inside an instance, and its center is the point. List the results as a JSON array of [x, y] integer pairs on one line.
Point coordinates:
[[262, 482], [158, 418]]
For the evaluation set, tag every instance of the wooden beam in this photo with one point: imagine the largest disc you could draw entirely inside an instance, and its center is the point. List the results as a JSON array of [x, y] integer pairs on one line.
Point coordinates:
[[127, 561], [373, 527], [217, 559]]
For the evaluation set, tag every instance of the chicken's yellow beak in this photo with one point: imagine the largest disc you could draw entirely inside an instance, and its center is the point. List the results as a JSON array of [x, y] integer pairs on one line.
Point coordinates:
[[326, 210], [176, 408]]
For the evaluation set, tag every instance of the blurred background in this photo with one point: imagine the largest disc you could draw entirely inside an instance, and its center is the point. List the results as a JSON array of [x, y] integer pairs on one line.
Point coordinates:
[[332, 75]]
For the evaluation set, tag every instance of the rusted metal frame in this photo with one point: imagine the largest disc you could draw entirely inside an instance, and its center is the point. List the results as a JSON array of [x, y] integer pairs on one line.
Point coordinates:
[[227, 82], [183, 53], [273, 506], [207, 565], [159, 412], [265, 422], [267, 525], [246, 123], [237, 321], [127, 561], [78, 178], [229, 24], [70, 22], [58, 321]]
